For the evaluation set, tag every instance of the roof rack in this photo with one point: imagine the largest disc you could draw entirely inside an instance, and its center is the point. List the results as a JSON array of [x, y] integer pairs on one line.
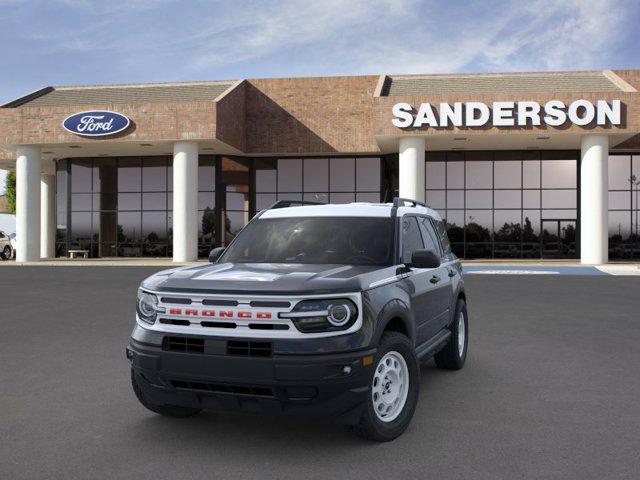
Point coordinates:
[[288, 203], [399, 202]]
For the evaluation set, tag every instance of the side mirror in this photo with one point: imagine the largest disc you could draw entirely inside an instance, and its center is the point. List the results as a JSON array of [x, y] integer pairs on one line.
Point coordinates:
[[214, 254], [424, 259]]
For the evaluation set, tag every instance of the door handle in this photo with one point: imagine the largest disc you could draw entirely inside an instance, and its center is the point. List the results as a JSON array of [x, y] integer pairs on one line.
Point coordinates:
[[435, 279], [452, 273]]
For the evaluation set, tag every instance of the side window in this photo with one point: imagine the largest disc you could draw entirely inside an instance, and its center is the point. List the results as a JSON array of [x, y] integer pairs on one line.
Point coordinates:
[[429, 236], [442, 234], [411, 239]]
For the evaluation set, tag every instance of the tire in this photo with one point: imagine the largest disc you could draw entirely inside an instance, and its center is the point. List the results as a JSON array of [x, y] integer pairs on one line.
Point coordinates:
[[451, 357], [165, 410], [398, 349], [7, 253]]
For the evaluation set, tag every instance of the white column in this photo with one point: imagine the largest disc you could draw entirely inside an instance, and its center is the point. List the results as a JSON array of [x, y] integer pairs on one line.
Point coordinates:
[[48, 211], [594, 199], [411, 166], [28, 204], [185, 201]]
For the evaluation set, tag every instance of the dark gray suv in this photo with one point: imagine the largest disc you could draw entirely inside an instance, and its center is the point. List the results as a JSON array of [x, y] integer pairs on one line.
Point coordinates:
[[316, 311]]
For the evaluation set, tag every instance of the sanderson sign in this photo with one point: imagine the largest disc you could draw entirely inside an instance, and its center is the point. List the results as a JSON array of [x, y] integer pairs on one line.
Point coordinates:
[[508, 114], [96, 123]]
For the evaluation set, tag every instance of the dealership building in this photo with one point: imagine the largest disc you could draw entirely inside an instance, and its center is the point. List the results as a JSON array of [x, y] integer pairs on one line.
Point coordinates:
[[521, 165]]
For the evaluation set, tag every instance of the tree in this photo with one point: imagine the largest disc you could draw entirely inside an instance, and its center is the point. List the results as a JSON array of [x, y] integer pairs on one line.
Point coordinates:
[[10, 188]]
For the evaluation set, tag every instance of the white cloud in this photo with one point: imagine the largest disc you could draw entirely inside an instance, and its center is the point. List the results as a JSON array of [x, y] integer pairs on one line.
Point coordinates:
[[205, 39]]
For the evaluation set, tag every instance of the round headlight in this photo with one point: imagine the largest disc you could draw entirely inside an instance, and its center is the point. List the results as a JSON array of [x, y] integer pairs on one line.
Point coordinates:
[[147, 306], [339, 314]]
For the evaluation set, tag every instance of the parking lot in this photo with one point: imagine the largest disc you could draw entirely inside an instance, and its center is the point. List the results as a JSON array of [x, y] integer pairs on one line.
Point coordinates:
[[551, 389]]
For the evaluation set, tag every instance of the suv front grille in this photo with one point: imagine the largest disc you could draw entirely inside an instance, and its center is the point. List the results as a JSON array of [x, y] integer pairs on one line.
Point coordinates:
[[223, 388], [249, 349]]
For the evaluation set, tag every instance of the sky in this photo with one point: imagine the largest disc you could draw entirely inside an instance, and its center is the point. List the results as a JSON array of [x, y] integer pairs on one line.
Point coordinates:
[[71, 42]]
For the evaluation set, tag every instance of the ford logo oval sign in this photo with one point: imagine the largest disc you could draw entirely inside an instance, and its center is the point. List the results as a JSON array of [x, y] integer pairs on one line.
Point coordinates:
[[96, 123]]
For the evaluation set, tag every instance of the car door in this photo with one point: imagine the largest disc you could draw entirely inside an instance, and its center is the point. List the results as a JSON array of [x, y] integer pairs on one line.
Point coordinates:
[[444, 285], [423, 288]]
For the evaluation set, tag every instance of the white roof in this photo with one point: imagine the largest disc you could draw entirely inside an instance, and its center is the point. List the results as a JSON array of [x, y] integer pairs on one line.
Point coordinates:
[[356, 209]]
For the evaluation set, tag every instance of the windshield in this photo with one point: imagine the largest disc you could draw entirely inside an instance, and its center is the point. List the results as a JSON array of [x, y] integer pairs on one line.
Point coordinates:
[[328, 240]]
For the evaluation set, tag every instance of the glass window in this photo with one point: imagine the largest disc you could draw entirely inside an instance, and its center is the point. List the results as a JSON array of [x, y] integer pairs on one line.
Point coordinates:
[[316, 175], [315, 240], [619, 172], [455, 198], [531, 198], [559, 173], [620, 200], [154, 201], [436, 174], [507, 174], [81, 202], [129, 201], [507, 199], [81, 175], [559, 199], [442, 234], [154, 227], [479, 224], [342, 197], [289, 175], [372, 197], [479, 198], [429, 237], [531, 174], [265, 200], [455, 174], [411, 239], [129, 175], [206, 173], [478, 174], [154, 174], [129, 226], [367, 175], [436, 199], [342, 174], [266, 175], [316, 197]]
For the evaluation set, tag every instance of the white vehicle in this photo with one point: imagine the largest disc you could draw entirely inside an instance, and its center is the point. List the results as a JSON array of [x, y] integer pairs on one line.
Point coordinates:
[[7, 248]]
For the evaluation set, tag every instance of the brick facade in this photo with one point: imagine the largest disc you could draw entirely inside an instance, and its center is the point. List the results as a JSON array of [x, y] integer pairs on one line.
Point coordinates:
[[291, 116]]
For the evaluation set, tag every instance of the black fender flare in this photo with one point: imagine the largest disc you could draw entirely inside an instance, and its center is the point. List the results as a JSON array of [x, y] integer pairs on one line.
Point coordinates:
[[395, 309]]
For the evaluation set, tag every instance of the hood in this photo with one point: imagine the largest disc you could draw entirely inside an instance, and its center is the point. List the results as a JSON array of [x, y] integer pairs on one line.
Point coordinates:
[[266, 278]]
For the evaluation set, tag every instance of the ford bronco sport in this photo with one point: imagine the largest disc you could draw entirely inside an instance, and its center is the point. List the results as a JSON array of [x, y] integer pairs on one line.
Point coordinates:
[[317, 311]]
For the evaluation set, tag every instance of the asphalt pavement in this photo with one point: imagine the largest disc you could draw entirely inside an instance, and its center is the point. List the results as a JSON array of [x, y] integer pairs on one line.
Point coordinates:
[[551, 389]]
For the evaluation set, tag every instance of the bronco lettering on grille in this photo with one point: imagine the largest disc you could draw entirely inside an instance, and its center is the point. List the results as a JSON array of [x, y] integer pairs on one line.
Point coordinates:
[[192, 312]]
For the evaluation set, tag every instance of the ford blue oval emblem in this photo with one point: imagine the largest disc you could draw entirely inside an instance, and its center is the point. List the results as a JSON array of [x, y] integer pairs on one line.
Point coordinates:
[[96, 123]]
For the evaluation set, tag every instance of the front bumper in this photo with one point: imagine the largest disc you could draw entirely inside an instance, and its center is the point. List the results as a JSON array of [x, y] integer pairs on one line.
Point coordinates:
[[328, 385]]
